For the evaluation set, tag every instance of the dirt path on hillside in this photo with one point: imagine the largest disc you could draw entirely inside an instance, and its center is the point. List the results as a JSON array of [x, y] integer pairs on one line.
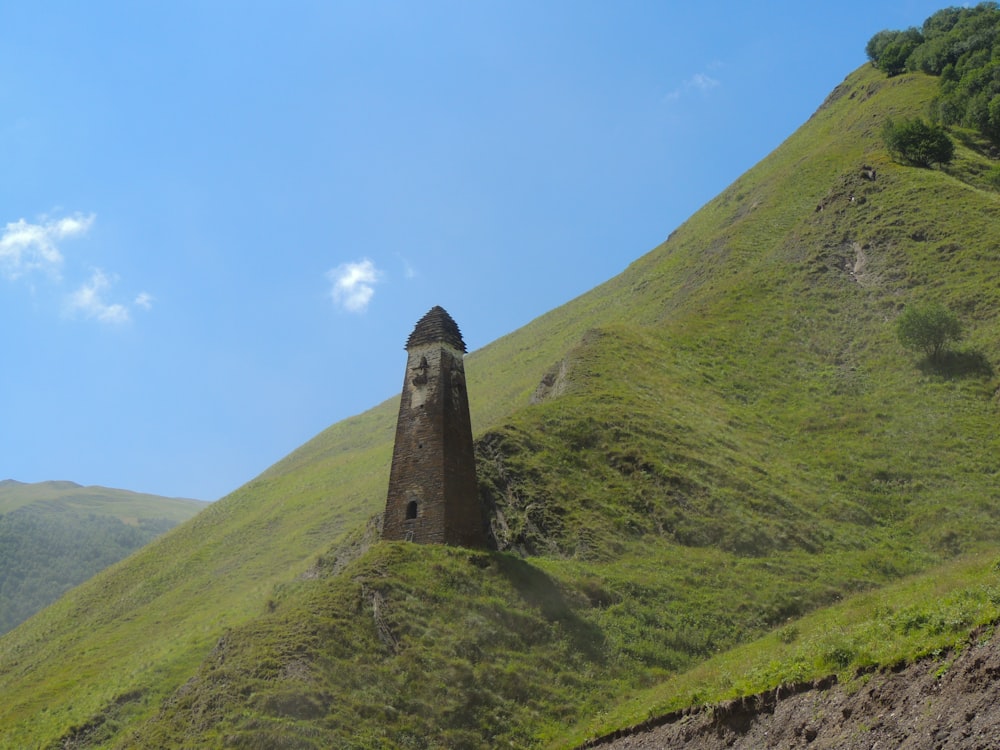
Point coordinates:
[[946, 704]]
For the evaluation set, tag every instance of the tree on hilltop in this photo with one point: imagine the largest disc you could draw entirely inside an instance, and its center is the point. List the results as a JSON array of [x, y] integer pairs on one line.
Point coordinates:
[[962, 47], [889, 50]]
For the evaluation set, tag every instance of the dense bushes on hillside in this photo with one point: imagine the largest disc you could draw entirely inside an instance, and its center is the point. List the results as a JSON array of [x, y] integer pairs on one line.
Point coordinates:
[[962, 46], [44, 554], [917, 143]]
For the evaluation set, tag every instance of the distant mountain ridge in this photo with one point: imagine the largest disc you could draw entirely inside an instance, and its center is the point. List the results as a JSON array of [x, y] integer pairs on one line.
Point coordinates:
[[56, 534], [742, 481]]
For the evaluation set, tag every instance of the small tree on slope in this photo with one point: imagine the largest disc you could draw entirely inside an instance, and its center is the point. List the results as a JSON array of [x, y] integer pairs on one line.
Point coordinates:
[[928, 329], [917, 143]]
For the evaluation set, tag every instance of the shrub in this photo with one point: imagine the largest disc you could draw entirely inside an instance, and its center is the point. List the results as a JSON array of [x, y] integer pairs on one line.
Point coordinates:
[[889, 50], [928, 329], [917, 143]]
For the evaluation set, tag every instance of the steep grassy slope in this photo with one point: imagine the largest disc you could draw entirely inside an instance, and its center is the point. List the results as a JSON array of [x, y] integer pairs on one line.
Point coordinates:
[[731, 439], [55, 535]]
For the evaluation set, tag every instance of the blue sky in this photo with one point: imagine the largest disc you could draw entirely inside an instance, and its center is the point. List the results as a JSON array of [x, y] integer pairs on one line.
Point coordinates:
[[221, 220]]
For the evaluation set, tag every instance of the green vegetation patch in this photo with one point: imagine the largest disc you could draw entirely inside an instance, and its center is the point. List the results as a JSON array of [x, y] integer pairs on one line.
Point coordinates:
[[960, 46], [409, 646], [927, 615]]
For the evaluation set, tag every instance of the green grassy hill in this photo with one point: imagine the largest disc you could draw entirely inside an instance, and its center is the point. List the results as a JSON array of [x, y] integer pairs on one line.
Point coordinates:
[[55, 535], [734, 453]]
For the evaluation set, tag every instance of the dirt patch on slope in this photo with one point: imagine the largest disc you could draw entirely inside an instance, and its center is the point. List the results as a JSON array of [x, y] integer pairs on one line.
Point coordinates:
[[553, 384], [948, 703]]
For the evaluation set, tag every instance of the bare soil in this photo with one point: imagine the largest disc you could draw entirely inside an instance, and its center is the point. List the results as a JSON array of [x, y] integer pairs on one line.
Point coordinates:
[[947, 703]]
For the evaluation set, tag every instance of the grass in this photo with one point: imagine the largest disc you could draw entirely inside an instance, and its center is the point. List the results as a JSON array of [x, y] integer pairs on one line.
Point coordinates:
[[408, 646], [742, 449], [920, 616]]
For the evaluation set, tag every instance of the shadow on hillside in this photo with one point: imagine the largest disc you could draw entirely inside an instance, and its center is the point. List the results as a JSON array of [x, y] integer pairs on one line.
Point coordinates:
[[953, 365], [540, 591], [977, 142]]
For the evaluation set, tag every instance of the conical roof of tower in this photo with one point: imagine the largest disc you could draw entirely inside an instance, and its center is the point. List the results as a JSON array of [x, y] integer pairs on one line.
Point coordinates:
[[435, 327]]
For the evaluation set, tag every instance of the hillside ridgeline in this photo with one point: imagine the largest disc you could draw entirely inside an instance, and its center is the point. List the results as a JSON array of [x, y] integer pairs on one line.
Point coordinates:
[[55, 535]]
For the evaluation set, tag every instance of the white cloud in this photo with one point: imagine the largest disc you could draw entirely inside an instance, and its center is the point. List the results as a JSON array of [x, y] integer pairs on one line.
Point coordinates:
[[353, 284], [89, 301], [144, 300], [702, 82], [698, 82], [28, 247], [72, 225]]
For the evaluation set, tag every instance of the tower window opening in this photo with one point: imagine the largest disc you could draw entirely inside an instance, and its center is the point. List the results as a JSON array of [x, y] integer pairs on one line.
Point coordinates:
[[411, 510]]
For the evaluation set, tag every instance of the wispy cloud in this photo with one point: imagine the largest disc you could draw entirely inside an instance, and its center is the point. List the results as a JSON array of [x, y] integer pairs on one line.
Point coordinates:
[[89, 300], [144, 300], [353, 284], [701, 82], [408, 270], [26, 247]]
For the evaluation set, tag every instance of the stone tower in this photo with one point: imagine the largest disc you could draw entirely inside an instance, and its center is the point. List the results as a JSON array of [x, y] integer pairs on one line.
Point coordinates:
[[433, 496]]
